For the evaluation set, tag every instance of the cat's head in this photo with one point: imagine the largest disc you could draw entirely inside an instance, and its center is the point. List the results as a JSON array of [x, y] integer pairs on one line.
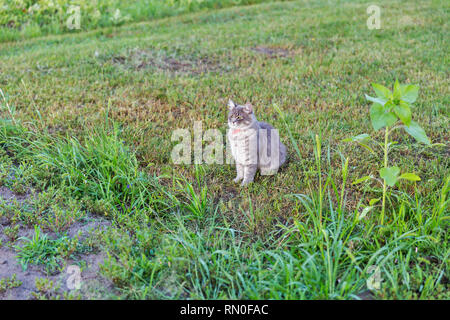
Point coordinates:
[[240, 116]]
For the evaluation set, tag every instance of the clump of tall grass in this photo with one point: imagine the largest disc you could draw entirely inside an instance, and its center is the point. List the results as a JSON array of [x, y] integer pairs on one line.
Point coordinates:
[[102, 170], [42, 250]]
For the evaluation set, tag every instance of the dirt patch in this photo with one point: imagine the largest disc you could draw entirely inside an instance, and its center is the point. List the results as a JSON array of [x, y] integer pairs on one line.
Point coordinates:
[[93, 285], [272, 52], [138, 59], [9, 196]]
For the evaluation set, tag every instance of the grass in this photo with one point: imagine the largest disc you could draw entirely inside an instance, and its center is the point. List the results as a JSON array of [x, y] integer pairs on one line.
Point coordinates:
[[28, 19], [90, 116], [8, 283], [42, 250]]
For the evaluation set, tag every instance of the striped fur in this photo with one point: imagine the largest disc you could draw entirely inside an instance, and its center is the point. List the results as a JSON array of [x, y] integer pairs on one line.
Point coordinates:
[[254, 145]]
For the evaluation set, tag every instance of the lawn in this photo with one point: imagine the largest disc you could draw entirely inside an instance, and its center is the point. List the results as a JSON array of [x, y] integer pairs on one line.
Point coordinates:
[[85, 134], [21, 19]]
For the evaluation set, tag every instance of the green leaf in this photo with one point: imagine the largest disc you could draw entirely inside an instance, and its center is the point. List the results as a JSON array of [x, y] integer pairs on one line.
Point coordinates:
[[359, 137], [397, 90], [366, 146], [365, 211], [438, 144], [390, 175], [380, 101], [382, 91], [362, 179], [409, 93], [373, 201], [410, 177], [380, 118], [417, 132], [403, 112], [389, 106]]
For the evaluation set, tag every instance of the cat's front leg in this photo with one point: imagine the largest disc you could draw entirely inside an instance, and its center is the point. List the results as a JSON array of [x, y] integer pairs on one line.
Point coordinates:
[[249, 174], [239, 173]]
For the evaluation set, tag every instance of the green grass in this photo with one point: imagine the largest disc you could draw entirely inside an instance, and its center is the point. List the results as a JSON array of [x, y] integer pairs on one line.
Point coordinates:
[[90, 116], [28, 19], [42, 250], [8, 283]]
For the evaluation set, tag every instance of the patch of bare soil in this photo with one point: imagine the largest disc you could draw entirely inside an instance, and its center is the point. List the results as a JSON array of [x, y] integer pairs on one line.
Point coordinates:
[[8, 196], [93, 285], [139, 59], [366, 295], [272, 52]]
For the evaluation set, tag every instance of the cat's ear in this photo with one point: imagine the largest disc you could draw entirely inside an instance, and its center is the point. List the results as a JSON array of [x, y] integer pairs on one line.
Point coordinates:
[[231, 104], [248, 108]]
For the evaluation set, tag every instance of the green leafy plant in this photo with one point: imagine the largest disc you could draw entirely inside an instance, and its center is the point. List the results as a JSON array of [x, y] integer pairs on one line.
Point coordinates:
[[12, 232], [40, 250], [46, 289], [9, 283], [191, 198], [391, 110]]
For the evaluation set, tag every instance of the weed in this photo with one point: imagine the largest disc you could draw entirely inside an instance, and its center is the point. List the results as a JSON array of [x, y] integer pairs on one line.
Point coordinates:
[[12, 232], [42, 250], [387, 108], [46, 289], [9, 283]]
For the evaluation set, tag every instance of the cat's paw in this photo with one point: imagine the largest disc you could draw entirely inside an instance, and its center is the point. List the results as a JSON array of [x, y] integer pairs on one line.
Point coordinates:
[[237, 179]]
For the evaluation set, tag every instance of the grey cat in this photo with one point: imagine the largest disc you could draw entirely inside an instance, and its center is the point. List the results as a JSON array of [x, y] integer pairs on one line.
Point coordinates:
[[254, 144]]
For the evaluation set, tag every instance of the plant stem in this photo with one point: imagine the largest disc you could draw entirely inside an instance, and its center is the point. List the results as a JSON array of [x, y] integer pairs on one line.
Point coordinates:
[[318, 159], [386, 139]]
